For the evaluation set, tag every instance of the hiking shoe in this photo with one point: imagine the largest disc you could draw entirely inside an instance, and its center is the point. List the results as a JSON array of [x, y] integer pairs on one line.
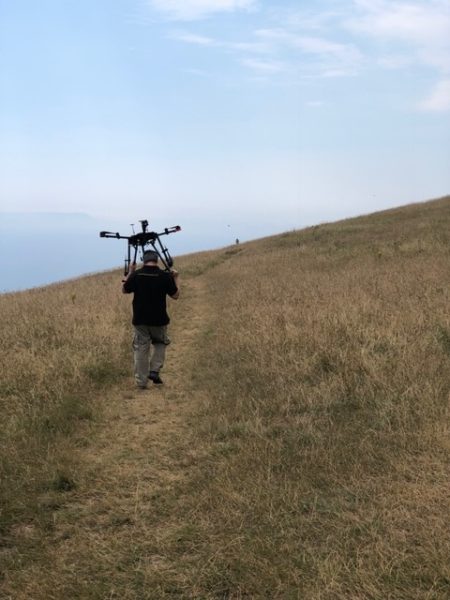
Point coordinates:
[[154, 376]]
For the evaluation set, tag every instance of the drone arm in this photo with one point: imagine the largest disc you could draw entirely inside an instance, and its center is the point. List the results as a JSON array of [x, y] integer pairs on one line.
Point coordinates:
[[141, 240], [111, 234]]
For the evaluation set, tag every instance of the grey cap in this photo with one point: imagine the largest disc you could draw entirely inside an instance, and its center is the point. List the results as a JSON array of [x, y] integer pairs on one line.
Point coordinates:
[[150, 256]]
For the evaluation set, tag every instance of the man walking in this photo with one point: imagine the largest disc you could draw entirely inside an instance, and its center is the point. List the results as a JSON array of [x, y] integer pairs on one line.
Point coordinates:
[[150, 286]]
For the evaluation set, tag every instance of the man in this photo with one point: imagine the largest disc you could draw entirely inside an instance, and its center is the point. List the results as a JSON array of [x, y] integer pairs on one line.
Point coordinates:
[[150, 286]]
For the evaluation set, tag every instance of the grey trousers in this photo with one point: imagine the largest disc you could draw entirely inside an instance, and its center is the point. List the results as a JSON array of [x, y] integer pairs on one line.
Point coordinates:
[[146, 336]]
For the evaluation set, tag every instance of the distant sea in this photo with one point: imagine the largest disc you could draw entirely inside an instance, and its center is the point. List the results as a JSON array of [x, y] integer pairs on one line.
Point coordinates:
[[42, 248]]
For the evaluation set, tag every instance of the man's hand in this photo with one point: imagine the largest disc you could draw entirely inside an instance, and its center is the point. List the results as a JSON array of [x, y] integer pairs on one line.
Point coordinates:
[[175, 274]]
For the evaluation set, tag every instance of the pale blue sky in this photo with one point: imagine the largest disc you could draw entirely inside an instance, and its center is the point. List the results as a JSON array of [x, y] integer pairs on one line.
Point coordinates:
[[240, 117]]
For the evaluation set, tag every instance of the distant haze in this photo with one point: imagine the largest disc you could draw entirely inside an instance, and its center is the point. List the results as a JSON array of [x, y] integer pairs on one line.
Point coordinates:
[[231, 118], [43, 248]]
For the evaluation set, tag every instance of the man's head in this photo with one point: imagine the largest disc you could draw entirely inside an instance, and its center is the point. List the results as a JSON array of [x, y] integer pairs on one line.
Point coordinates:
[[150, 256]]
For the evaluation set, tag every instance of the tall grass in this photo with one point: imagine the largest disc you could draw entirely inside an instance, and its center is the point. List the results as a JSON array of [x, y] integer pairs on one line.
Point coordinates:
[[328, 374], [59, 345]]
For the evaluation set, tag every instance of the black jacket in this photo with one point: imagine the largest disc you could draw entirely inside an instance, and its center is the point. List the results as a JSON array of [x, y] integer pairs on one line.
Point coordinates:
[[150, 286]]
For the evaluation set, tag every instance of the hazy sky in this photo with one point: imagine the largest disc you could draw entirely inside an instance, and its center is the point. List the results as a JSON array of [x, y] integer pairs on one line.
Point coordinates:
[[252, 115]]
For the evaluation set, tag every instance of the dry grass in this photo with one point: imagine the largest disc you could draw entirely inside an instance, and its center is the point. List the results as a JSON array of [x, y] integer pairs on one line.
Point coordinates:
[[330, 425], [302, 450], [59, 346]]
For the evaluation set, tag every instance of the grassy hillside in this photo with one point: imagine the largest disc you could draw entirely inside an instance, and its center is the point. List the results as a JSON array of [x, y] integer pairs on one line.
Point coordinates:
[[60, 345], [312, 452]]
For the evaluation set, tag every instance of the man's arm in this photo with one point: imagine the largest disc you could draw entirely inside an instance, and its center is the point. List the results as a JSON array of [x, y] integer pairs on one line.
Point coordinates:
[[127, 283], [176, 280]]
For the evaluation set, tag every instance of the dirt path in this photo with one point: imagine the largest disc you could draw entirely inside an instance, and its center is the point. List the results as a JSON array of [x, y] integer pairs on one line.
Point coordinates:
[[108, 539]]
